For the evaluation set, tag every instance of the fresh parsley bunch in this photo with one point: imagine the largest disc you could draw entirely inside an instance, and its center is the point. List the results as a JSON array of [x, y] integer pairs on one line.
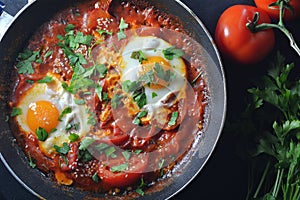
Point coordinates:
[[269, 130]]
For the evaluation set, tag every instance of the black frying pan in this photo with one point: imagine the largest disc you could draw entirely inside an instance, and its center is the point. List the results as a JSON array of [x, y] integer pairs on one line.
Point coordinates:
[[14, 40]]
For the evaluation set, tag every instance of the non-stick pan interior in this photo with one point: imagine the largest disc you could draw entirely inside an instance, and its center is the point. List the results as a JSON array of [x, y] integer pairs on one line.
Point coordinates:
[[27, 22]]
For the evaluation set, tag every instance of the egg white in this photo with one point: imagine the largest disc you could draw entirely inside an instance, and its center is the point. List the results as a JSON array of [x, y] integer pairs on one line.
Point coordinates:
[[53, 92], [152, 46]]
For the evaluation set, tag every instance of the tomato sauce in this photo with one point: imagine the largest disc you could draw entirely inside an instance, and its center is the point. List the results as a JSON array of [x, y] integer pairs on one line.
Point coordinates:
[[140, 154]]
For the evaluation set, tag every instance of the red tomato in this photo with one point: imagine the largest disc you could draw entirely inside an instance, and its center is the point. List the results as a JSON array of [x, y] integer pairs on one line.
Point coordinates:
[[137, 165], [274, 11], [236, 41]]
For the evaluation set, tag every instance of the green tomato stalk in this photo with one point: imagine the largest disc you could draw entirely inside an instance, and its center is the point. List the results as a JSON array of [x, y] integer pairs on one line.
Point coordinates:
[[254, 27]]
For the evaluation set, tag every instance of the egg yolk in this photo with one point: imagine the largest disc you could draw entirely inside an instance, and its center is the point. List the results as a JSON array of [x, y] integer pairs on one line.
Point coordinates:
[[42, 114], [149, 66]]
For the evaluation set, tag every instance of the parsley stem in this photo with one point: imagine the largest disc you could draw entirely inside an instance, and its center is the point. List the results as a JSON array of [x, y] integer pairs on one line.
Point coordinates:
[[262, 180], [277, 182]]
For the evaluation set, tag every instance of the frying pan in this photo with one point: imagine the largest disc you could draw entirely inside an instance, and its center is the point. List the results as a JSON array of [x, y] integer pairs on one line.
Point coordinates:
[[14, 40]]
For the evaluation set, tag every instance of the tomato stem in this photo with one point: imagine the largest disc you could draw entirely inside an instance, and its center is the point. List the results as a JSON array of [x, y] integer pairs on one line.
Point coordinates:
[[254, 27]]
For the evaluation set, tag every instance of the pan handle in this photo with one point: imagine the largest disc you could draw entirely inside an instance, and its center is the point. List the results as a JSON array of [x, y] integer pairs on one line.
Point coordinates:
[[5, 20]]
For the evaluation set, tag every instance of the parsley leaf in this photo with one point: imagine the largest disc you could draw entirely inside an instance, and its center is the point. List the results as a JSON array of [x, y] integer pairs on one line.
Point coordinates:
[[15, 112], [173, 119], [123, 25], [172, 52], [130, 86], [66, 111], [62, 150], [46, 79], [126, 155], [101, 32], [73, 137], [119, 168], [140, 97], [165, 75], [31, 163], [95, 177], [26, 58], [86, 142], [41, 134], [138, 55], [137, 119], [109, 152], [116, 101]]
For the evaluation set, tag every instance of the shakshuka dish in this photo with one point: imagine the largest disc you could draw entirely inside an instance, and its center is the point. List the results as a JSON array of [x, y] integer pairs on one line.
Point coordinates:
[[109, 96]]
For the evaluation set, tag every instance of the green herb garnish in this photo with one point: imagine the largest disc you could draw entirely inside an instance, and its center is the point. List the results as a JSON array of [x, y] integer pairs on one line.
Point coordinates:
[[123, 25], [73, 137], [119, 168], [86, 142], [26, 58], [172, 52], [62, 150], [95, 177], [116, 101], [269, 134], [138, 55], [31, 163], [66, 111], [15, 112], [137, 119], [173, 119], [46, 79], [41, 134], [126, 155]]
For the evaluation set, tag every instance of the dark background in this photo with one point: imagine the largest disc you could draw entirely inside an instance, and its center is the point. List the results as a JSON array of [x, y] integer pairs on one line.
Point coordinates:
[[225, 174]]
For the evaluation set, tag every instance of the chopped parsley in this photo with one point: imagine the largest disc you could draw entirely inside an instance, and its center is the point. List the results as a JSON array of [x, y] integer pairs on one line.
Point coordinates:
[[100, 147], [138, 151], [172, 52], [110, 152], [119, 168], [139, 96], [95, 177], [26, 58], [116, 101], [46, 79], [138, 55], [126, 155], [63, 150], [66, 111], [173, 119], [137, 119], [130, 86], [102, 32], [162, 74], [15, 112], [73, 137], [48, 54], [86, 142], [79, 101], [123, 25], [138, 90], [139, 189], [41, 134], [69, 44], [29, 81], [154, 94], [91, 118], [31, 163]]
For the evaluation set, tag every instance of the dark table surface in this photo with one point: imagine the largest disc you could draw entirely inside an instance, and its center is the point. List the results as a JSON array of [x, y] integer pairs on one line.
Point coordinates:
[[225, 174]]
